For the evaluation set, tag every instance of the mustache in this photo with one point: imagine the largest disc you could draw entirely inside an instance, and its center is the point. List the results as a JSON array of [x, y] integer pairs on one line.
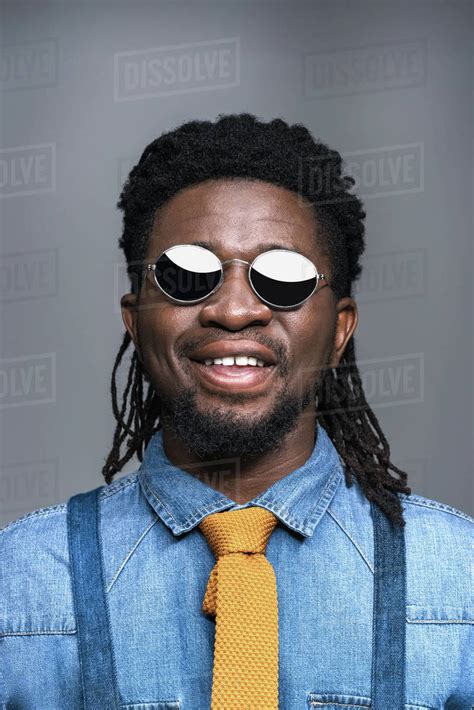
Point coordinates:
[[192, 344]]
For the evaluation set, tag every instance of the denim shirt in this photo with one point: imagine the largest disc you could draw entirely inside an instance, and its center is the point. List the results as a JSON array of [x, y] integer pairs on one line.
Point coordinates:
[[157, 564]]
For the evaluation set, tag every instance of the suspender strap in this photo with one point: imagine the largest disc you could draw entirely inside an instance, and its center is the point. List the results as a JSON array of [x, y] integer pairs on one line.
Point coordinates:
[[99, 688], [388, 644]]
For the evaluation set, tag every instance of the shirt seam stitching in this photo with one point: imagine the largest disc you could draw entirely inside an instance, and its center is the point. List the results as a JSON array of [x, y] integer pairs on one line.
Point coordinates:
[[352, 540], [441, 507], [438, 621], [107, 492], [130, 553], [39, 632], [61, 507]]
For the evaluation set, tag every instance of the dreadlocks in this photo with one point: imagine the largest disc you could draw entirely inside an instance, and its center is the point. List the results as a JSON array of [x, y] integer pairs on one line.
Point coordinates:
[[242, 146]]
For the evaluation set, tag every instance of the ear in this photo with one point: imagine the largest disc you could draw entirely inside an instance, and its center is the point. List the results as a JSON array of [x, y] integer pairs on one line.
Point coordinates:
[[128, 304], [347, 319]]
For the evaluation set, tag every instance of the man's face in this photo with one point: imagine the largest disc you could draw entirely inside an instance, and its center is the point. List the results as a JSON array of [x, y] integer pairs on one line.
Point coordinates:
[[238, 219]]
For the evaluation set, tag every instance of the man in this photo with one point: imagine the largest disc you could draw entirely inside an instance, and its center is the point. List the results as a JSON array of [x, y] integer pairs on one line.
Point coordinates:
[[262, 556]]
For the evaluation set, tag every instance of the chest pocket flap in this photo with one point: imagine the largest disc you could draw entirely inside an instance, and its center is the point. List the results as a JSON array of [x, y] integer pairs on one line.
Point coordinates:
[[339, 701]]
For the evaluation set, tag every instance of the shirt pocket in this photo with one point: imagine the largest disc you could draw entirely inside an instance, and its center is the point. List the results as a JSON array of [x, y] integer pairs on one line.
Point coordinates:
[[341, 701]]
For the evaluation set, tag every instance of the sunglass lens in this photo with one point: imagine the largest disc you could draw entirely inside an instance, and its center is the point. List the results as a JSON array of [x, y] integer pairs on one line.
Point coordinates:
[[188, 272], [283, 278]]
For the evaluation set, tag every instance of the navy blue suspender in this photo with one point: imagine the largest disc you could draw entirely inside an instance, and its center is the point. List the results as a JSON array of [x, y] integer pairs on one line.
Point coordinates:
[[388, 629], [96, 658]]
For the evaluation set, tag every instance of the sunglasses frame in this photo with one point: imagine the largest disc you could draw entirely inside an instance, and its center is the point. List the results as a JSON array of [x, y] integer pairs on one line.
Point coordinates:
[[152, 268]]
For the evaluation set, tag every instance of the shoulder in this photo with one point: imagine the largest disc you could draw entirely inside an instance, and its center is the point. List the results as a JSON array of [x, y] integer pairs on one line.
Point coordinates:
[[433, 522], [433, 505], [35, 586], [438, 542], [29, 526]]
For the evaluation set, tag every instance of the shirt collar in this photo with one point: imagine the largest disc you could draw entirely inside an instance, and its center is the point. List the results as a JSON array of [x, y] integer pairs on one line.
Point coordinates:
[[299, 499]]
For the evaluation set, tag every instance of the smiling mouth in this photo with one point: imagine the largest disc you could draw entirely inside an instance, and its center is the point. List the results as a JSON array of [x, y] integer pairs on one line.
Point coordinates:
[[234, 378]]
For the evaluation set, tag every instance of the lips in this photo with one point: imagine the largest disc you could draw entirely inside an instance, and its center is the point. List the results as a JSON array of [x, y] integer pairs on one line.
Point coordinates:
[[234, 378], [224, 348]]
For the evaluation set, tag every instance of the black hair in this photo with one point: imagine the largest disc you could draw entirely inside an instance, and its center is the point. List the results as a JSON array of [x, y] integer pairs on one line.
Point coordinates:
[[242, 146]]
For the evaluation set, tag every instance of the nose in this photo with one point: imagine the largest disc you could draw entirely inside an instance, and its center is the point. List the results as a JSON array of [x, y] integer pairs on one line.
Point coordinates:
[[234, 305]]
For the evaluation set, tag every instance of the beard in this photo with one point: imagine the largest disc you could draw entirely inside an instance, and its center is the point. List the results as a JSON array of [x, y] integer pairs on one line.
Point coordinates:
[[219, 434]]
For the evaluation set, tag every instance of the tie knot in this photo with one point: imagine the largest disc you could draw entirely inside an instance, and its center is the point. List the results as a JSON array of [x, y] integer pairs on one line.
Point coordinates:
[[244, 530]]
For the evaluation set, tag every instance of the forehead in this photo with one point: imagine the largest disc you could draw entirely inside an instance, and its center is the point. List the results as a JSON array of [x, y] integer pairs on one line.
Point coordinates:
[[237, 218]]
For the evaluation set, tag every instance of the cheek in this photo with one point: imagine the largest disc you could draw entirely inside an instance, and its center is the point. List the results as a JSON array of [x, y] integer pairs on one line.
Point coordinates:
[[161, 327], [314, 346], [311, 360], [151, 329]]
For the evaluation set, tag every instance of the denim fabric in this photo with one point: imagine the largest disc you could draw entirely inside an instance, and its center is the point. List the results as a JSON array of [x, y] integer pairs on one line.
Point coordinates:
[[156, 566], [100, 690]]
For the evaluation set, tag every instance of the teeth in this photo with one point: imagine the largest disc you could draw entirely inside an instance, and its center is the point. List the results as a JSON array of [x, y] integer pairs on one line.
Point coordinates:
[[241, 360]]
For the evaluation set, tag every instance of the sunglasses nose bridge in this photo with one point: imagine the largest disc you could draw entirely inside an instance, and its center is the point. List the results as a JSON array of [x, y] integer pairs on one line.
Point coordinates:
[[239, 262], [229, 261]]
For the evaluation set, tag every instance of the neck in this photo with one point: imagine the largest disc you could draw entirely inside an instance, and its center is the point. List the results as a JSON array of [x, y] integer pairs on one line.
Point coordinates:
[[240, 478]]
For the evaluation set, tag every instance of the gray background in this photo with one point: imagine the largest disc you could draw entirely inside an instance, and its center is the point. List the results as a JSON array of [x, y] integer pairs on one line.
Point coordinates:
[[388, 84]]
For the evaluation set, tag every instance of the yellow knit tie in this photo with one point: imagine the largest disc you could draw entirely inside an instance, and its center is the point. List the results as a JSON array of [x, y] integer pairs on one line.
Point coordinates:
[[242, 595]]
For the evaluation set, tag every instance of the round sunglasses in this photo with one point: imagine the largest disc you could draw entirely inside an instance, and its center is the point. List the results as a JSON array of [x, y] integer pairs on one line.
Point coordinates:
[[282, 278]]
